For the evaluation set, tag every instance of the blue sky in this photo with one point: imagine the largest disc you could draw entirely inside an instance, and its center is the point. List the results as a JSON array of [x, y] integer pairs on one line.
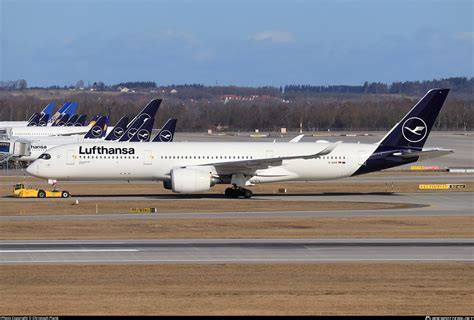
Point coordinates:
[[250, 43]]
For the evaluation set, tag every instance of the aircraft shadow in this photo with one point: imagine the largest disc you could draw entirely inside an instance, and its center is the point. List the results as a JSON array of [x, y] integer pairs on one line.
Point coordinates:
[[221, 196]]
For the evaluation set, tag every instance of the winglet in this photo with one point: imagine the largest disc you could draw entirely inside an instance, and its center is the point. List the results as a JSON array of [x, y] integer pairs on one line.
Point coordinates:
[[297, 138]]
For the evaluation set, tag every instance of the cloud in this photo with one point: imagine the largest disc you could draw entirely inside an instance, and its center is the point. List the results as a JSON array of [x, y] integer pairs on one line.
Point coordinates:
[[273, 36], [465, 36]]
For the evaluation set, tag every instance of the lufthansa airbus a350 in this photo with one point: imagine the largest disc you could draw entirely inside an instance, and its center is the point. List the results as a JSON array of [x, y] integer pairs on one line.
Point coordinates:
[[188, 167]]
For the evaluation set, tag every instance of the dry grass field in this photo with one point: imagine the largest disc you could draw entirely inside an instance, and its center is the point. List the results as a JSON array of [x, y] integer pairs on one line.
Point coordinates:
[[235, 228], [240, 289]]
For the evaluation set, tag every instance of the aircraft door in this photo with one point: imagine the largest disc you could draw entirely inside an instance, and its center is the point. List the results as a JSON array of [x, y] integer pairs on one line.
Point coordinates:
[[70, 157], [148, 157]]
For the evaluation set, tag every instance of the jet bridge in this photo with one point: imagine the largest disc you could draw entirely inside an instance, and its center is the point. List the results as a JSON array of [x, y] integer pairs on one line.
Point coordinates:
[[13, 148]]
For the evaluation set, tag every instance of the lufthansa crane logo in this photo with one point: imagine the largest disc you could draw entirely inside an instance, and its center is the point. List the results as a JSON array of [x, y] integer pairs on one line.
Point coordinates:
[[131, 132], [165, 136], [143, 135], [414, 129], [118, 131], [97, 131]]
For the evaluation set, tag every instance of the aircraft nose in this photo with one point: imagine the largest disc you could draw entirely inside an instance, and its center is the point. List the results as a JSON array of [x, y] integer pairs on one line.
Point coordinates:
[[32, 169]]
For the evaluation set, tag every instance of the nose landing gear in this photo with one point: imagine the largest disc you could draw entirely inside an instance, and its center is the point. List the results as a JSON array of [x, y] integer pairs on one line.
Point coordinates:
[[236, 192]]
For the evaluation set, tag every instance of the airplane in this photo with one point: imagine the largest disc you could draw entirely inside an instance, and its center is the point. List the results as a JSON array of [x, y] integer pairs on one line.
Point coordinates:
[[47, 110], [191, 167]]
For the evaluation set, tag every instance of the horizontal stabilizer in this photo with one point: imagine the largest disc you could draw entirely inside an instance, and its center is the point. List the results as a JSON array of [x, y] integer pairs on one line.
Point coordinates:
[[427, 153]]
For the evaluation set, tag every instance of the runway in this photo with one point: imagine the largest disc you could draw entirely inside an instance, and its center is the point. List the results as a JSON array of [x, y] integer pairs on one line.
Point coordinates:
[[236, 251]]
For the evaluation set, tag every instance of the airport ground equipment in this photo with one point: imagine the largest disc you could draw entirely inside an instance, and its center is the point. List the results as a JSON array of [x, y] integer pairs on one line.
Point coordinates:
[[19, 191]]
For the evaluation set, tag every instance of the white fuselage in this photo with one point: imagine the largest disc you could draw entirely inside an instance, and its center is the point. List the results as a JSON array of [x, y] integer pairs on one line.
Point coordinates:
[[10, 124], [154, 161], [31, 132]]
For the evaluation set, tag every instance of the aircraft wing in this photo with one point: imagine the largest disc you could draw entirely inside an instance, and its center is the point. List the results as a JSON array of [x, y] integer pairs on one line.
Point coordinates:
[[427, 153], [251, 165]]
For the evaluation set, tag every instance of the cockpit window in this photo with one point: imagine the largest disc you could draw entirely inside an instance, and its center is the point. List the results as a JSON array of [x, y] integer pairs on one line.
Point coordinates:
[[45, 156]]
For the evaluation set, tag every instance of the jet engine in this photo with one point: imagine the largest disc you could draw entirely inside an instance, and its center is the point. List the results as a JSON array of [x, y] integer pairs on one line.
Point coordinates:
[[186, 180]]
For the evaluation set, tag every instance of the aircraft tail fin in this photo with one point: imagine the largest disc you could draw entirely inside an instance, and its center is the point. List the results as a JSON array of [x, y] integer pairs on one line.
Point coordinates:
[[71, 109], [413, 130], [143, 133], [61, 121], [49, 108], [72, 120], [43, 121], [59, 112], [98, 129], [34, 120], [166, 133], [81, 121], [148, 112], [118, 130]]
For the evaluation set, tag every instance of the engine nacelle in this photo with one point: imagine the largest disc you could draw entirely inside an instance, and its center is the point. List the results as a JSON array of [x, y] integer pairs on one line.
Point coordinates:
[[190, 180]]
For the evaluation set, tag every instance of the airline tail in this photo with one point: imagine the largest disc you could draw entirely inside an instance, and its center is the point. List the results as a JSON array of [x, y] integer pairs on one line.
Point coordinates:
[[81, 121], [49, 108], [59, 112], [98, 129], [72, 120], [143, 133], [166, 133], [71, 109], [62, 120], [34, 119], [118, 130], [43, 121], [133, 128], [404, 143], [148, 112], [413, 130]]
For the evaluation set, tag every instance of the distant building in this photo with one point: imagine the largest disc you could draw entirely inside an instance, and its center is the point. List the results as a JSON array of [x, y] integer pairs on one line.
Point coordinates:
[[174, 91]]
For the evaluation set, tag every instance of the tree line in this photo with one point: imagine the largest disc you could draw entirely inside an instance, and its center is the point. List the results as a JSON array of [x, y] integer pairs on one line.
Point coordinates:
[[314, 113]]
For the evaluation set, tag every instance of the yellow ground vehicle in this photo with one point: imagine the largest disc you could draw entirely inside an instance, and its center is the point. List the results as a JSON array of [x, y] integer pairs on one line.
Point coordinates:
[[19, 191]]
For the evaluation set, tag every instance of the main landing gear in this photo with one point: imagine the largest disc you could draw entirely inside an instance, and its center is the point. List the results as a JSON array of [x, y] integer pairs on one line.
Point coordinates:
[[236, 192]]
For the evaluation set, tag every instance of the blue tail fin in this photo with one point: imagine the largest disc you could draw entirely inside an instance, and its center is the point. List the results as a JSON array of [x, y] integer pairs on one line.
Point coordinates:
[[404, 143], [49, 108], [118, 130], [98, 129], [43, 121], [81, 121], [413, 130], [166, 133], [94, 120], [61, 121], [148, 112], [34, 120], [72, 120], [133, 128], [143, 133], [59, 113], [71, 109]]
